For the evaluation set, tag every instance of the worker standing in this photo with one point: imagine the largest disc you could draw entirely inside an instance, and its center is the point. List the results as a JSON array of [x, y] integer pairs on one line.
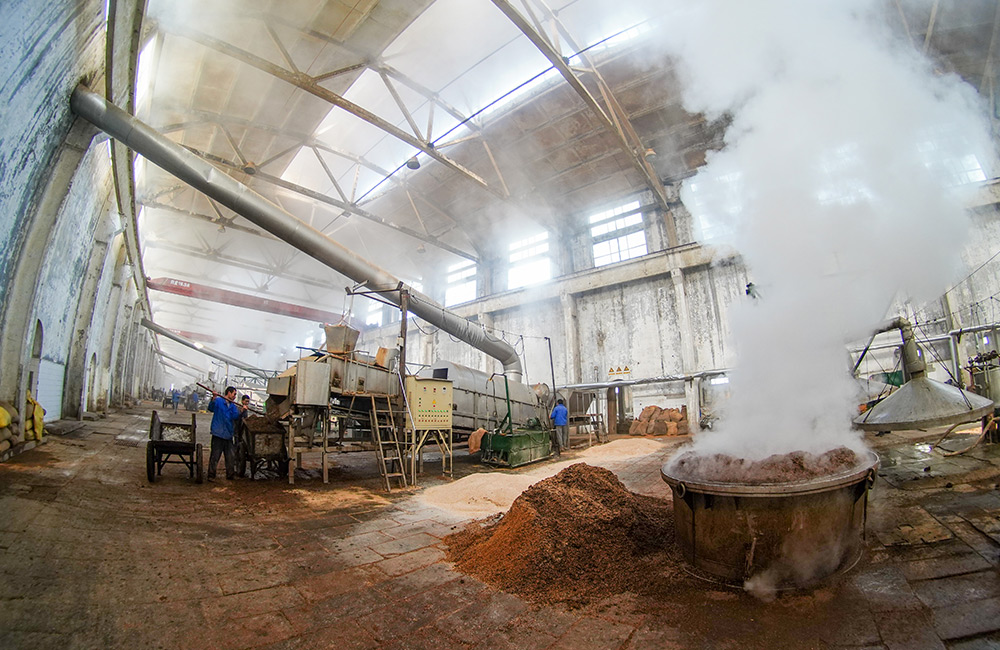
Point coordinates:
[[560, 418], [225, 413], [175, 397]]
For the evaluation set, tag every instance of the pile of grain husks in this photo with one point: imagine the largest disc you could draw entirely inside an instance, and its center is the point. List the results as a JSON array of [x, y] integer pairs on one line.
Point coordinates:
[[795, 467], [573, 538]]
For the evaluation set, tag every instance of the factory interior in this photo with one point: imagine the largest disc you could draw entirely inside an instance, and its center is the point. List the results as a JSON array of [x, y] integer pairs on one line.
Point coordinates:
[[551, 324]]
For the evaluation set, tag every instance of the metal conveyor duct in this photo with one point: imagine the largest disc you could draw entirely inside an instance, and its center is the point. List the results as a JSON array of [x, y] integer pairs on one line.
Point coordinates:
[[175, 159]]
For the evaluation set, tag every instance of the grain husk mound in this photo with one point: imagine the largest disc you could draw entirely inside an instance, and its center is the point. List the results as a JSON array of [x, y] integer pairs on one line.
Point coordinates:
[[573, 538], [262, 424], [795, 467]]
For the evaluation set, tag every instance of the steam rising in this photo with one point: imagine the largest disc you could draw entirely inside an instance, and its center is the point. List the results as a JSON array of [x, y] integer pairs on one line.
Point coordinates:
[[837, 185]]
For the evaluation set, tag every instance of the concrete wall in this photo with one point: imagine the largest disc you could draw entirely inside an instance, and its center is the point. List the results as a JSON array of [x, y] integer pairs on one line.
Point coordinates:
[[59, 263], [669, 314], [45, 49]]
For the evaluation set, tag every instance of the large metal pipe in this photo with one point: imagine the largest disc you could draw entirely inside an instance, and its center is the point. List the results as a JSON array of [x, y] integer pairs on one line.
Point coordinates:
[[180, 361], [150, 325], [206, 178]]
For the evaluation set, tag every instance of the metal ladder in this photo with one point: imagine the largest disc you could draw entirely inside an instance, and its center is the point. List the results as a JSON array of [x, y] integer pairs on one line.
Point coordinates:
[[388, 449]]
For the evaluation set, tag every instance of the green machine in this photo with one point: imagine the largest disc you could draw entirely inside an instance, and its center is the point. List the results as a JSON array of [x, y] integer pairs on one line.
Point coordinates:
[[507, 447]]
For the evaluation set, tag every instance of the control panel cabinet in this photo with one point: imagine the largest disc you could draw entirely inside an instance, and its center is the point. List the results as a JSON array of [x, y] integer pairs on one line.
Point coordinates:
[[431, 403]]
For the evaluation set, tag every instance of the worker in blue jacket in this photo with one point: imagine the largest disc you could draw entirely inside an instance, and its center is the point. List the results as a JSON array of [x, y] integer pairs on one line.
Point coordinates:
[[225, 413], [560, 418]]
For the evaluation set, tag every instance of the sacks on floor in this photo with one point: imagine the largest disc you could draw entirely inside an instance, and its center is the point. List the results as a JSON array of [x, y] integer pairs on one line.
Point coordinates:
[[15, 417], [34, 423]]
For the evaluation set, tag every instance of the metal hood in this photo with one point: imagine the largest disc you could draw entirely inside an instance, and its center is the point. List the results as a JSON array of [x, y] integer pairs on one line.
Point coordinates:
[[921, 402], [206, 178]]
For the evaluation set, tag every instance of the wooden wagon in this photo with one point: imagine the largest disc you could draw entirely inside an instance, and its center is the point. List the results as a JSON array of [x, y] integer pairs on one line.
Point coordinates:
[[173, 443]]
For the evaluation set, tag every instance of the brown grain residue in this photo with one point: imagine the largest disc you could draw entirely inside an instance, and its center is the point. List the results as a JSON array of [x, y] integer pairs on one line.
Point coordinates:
[[795, 467], [573, 538]]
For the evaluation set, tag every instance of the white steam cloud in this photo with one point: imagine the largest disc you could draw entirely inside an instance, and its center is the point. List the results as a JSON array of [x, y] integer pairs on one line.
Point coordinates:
[[836, 184]]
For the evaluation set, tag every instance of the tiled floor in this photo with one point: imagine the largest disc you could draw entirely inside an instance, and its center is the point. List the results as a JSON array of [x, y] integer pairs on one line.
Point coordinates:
[[93, 556]]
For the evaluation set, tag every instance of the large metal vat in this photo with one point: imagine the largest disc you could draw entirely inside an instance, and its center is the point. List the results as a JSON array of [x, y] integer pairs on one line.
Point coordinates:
[[789, 534]]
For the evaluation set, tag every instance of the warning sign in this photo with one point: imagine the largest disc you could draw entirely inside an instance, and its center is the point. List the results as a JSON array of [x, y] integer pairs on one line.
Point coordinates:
[[619, 371]]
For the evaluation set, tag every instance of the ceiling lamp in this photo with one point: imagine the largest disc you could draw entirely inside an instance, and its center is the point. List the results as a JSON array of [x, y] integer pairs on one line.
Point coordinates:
[[413, 163]]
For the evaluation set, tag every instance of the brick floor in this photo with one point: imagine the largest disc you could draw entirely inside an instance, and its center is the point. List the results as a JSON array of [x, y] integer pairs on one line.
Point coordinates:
[[91, 555]]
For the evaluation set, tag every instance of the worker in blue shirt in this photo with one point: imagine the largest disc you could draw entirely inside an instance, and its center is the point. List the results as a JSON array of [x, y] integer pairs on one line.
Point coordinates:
[[225, 413], [560, 418]]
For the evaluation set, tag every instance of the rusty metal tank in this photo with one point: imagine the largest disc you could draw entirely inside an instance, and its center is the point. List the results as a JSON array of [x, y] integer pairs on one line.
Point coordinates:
[[792, 535]]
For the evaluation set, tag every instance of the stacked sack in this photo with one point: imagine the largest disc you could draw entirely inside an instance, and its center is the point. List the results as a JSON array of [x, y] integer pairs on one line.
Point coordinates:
[[34, 418], [658, 421], [10, 421]]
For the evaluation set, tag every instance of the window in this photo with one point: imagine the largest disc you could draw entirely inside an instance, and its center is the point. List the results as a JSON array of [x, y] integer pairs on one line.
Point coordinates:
[[715, 203], [461, 283], [618, 234], [375, 311], [529, 261], [950, 154]]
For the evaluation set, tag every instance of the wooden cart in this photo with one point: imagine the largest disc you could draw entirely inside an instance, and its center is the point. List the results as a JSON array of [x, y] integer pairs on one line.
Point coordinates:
[[260, 445], [178, 447]]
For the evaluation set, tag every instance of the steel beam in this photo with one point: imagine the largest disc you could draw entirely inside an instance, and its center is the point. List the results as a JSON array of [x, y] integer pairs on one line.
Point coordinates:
[[171, 157], [306, 140], [309, 85], [226, 297], [208, 338], [347, 207], [150, 325], [228, 223], [176, 360], [237, 263], [635, 156]]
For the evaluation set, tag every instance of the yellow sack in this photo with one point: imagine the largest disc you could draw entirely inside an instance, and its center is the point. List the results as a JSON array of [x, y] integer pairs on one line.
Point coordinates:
[[37, 417], [4, 418]]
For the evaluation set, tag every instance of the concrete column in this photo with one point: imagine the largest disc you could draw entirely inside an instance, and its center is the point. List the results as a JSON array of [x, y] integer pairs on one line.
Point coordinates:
[[692, 392], [654, 225], [487, 277], [84, 330], [126, 353], [574, 370], [123, 333], [110, 325], [561, 254]]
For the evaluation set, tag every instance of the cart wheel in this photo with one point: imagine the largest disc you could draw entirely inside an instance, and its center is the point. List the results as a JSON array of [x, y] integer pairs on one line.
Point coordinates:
[[199, 466], [241, 459], [150, 462]]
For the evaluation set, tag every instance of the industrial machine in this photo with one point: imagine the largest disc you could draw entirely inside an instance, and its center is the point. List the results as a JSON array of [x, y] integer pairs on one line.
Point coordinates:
[[340, 399], [511, 446]]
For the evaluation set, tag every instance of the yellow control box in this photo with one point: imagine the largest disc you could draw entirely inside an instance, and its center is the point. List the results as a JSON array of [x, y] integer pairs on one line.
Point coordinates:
[[430, 403]]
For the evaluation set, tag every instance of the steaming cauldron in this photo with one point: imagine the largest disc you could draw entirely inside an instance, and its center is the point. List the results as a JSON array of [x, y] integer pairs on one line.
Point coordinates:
[[783, 534]]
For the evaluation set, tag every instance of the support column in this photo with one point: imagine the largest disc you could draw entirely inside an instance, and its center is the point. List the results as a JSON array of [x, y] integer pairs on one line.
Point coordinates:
[[111, 326], [692, 391], [574, 371], [84, 330]]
